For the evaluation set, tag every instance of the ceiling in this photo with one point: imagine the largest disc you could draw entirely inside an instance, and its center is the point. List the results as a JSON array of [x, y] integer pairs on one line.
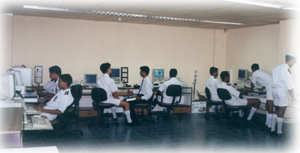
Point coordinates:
[[214, 10]]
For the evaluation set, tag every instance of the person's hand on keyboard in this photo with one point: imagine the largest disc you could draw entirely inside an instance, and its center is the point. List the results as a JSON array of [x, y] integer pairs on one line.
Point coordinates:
[[42, 116], [38, 108], [42, 100]]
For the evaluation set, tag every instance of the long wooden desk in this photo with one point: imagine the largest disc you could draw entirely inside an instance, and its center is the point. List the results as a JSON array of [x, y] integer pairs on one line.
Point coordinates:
[[86, 107]]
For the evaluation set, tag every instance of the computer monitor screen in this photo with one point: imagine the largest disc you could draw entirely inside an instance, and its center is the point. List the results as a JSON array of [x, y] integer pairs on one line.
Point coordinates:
[[90, 78], [8, 85], [23, 76], [158, 73], [242, 74], [115, 73]]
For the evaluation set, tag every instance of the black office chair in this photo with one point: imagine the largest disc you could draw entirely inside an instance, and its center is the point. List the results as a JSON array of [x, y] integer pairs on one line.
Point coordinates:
[[210, 103], [225, 95], [144, 110], [70, 117], [172, 91], [99, 95]]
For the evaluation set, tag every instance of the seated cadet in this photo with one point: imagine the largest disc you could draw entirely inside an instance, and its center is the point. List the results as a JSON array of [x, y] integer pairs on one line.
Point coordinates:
[[108, 84], [259, 77], [236, 97], [59, 103], [172, 81], [51, 88], [212, 84], [145, 91]]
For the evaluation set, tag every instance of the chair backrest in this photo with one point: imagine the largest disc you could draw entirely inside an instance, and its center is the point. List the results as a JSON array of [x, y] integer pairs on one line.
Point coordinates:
[[99, 95], [174, 91], [76, 91], [223, 94], [208, 94]]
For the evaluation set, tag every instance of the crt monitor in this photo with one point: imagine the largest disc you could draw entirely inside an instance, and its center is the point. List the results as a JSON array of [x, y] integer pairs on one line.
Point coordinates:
[[115, 73], [23, 76], [158, 73], [90, 78], [242, 74]]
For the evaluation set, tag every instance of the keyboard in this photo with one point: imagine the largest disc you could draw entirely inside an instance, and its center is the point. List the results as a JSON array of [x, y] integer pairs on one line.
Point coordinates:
[[36, 122], [31, 111], [39, 122]]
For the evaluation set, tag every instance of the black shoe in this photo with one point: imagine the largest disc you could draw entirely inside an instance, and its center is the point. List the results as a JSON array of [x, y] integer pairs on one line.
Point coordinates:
[[206, 116], [130, 124], [274, 133]]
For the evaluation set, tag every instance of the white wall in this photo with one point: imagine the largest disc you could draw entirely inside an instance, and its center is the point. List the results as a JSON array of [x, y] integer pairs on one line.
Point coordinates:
[[79, 47], [6, 22], [266, 45], [246, 46]]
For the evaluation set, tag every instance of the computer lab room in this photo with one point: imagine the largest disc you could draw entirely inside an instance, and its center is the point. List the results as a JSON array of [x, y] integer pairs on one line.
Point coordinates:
[[148, 76]]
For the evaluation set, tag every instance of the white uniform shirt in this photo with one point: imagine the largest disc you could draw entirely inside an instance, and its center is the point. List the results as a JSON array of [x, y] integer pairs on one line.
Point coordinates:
[[282, 78], [259, 77], [108, 84], [146, 88], [235, 99], [282, 83], [60, 102], [163, 88], [212, 84], [52, 87]]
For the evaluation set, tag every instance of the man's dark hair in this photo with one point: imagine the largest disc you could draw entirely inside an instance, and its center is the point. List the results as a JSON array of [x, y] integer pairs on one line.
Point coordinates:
[[255, 67], [145, 69], [67, 78], [224, 74], [289, 57], [173, 72], [55, 69], [213, 70], [104, 67]]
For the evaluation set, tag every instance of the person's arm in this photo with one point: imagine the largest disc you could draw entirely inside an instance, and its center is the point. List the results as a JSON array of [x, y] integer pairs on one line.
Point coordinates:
[[43, 110], [235, 92], [57, 112], [46, 98], [162, 87], [289, 84], [114, 89]]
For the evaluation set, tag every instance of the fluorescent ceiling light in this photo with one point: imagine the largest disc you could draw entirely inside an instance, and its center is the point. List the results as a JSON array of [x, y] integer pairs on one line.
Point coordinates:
[[221, 22], [45, 8], [118, 14], [291, 8], [251, 2]]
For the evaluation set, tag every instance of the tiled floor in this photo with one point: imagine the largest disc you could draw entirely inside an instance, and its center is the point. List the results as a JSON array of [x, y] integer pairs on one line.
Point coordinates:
[[179, 131]]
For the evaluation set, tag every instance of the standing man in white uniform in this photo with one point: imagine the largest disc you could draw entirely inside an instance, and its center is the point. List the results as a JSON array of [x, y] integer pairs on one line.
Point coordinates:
[[145, 91], [236, 97], [108, 84], [60, 102], [263, 79], [51, 88], [172, 81], [282, 87]]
